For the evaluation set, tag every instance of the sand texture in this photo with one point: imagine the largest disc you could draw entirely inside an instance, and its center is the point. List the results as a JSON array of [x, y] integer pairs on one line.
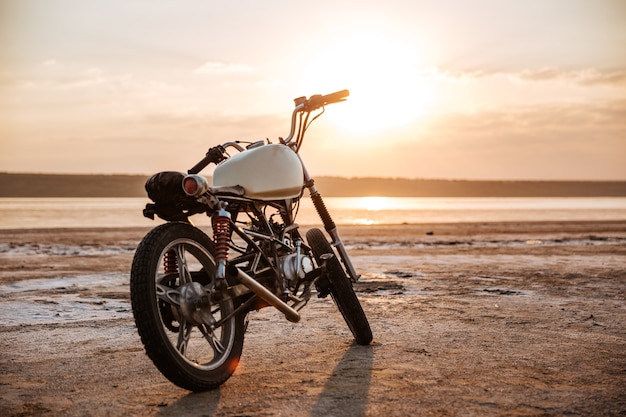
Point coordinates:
[[509, 319]]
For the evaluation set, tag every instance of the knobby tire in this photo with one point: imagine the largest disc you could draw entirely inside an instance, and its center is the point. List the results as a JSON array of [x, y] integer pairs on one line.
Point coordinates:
[[154, 318], [341, 289]]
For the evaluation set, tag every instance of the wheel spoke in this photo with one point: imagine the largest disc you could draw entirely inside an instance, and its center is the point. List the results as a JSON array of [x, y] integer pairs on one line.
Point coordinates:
[[183, 269], [168, 294], [183, 337], [209, 335]]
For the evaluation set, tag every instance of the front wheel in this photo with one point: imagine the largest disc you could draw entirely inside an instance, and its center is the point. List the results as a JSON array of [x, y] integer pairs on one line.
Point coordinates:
[[340, 288], [186, 322]]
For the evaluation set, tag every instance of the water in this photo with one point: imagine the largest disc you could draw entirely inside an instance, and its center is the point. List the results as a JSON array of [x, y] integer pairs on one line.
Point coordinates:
[[96, 297], [18, 213], [65, 299]]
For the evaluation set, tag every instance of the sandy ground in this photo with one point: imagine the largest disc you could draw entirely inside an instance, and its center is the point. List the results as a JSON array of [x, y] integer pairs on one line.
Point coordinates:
[[469, 319]]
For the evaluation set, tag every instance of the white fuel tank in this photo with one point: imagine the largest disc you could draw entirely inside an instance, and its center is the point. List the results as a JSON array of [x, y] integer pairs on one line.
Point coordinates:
[[268, 172]]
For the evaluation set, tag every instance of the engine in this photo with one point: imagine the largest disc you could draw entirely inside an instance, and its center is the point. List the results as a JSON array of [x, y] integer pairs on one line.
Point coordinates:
[[295, 266]]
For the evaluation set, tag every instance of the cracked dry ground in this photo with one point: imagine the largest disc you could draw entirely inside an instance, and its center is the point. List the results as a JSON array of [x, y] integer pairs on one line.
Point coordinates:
[[518, 319]]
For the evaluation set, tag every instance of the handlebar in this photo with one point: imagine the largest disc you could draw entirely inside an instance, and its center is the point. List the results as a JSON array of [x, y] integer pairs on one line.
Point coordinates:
[[317, 101], [303, 105], [313, 103], [214, 155]]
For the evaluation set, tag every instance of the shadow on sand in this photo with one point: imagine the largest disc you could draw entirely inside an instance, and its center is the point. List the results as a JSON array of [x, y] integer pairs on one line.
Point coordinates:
[[193, 404], [346, 391]]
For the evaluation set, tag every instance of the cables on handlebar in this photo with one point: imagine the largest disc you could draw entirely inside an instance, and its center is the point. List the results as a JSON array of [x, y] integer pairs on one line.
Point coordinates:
[[307, 124], [302, 130], [304, 106]]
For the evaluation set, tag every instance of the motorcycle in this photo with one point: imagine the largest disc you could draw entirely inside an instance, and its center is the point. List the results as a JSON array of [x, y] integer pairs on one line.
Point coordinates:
[[191, 293]]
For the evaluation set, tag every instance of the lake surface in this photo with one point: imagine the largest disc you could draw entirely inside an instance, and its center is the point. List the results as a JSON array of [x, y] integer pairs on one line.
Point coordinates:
[[127, 212]]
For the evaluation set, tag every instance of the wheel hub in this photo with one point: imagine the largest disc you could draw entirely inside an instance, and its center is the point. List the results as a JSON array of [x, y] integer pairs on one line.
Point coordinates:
[[195, 304]]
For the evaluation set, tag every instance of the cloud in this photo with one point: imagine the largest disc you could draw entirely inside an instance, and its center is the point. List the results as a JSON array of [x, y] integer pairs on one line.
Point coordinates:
[[58, 85], [617, 77], [50, 63], [557, 141], [454, 75], [537, 120], [583, 76], [588, 76], [54, 74], [546, 73], [221, 68], [507, 132]]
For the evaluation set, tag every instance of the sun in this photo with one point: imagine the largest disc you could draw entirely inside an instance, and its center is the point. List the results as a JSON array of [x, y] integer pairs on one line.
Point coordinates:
[[384, 77]]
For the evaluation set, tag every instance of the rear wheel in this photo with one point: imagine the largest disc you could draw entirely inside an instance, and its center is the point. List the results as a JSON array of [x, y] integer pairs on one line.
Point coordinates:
[[340, 288], [189, 333]]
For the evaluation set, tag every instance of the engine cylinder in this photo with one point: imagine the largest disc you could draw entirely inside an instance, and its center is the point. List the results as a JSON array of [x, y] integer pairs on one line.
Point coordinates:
[[295, 266]]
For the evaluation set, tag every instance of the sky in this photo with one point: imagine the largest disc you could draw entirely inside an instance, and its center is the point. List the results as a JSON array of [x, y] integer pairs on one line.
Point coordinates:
[[449, 89]]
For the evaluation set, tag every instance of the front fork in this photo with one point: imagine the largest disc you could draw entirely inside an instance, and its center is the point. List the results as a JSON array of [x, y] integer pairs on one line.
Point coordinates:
[[329, 224], [338, 243]]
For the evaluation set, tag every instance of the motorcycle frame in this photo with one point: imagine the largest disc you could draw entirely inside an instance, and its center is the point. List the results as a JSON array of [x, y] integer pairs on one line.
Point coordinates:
[[293, 141], [271, 258]]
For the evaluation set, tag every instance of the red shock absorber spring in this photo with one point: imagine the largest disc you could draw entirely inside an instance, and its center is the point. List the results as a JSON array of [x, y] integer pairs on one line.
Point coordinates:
[[170, 263], [221, 235]]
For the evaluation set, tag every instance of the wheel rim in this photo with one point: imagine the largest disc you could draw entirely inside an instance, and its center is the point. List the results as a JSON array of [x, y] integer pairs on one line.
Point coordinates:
[[191, 319]]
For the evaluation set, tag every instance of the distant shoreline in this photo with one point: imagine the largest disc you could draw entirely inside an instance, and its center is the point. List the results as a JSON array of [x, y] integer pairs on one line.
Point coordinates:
[[119, 185]]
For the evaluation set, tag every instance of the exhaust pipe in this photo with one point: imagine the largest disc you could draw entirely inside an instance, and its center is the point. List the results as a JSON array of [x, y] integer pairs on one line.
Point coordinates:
[[267, 296]]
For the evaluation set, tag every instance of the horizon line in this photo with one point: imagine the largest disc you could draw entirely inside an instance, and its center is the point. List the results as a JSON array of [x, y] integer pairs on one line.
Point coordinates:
[[336, 176]]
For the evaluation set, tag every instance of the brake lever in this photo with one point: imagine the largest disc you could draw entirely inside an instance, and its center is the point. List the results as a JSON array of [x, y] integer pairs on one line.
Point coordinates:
[[313, 103]]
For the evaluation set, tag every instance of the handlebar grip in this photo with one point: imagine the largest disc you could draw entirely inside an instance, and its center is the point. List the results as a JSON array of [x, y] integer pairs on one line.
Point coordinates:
[[335, 97], [214, 155], [317, 101]]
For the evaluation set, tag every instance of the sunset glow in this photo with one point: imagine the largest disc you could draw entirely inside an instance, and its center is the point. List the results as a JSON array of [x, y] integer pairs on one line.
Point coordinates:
[[382, 73], [376, 203], [451, 89]]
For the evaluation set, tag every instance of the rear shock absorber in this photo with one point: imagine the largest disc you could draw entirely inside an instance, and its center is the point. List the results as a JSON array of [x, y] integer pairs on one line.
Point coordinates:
[[170, 263], [221, 239]]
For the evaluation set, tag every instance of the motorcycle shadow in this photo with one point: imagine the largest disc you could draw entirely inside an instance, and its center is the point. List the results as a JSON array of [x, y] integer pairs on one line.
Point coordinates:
[[193, 404], [347, 390]]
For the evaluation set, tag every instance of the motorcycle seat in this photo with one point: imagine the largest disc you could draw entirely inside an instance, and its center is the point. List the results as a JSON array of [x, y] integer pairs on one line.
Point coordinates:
[[232, 190]]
